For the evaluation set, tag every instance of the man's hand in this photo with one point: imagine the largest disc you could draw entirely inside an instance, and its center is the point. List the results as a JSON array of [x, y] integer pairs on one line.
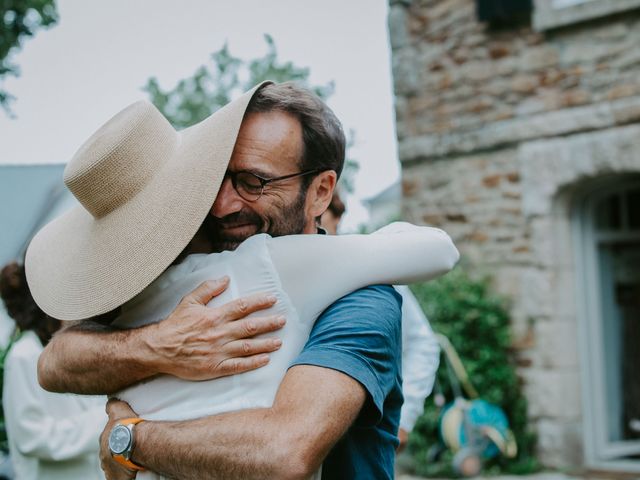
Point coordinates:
[[195, 342], [199, 343], [117, 410]]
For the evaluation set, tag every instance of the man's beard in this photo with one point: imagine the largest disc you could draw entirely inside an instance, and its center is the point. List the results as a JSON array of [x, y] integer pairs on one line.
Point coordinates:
[[286, 220]]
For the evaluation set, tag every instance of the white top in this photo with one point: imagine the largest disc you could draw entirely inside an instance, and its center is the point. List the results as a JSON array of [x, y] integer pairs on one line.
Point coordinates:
[[420, 359], [306, 273], [7, 326], [52, 436]]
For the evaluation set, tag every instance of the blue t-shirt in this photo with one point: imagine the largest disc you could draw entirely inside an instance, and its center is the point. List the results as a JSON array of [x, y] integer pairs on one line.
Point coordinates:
[[360, 335]]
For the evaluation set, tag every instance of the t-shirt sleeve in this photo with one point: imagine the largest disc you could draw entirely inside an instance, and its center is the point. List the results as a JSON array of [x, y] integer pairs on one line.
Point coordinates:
[[360, 336]]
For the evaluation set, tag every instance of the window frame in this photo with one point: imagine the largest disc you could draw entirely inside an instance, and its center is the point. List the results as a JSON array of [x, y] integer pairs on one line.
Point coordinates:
[[600, 452], [546, 16]]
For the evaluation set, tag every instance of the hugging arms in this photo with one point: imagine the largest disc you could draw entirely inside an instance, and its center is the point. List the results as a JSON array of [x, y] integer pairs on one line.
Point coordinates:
[[359, 331]]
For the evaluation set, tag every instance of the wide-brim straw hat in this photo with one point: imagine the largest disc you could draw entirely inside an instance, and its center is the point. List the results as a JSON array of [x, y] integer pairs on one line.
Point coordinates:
[[144, 190]]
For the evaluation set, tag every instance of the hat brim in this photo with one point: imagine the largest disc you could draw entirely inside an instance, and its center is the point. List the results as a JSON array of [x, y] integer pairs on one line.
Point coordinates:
[[79, 267]]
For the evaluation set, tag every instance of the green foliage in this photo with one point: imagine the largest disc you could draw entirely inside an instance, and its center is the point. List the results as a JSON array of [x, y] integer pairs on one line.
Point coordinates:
[[20, 19], [213, 86], [477, 323], [4, 445]]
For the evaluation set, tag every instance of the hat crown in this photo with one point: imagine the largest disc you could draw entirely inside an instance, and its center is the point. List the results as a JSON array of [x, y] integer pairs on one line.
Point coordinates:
[[118, 160]]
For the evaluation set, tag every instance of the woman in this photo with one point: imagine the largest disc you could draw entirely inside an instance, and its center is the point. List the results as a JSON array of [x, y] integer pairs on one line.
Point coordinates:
[[398, 253], [51, 436]]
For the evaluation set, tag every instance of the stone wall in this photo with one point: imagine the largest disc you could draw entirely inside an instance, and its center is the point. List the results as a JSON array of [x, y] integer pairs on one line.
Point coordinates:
[[494, 127]]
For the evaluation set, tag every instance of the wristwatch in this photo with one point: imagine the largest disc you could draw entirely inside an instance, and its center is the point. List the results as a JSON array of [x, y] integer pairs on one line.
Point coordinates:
[[121, 442]]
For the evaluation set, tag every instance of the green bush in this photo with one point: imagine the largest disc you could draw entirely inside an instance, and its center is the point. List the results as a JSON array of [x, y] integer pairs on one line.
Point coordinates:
[[4, 444], [477, 323]]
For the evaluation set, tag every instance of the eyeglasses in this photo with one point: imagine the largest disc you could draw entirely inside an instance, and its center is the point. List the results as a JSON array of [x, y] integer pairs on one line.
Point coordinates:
[[251, 186]]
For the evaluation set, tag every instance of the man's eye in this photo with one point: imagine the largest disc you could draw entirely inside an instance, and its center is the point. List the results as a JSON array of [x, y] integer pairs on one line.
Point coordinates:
[[250, 183]]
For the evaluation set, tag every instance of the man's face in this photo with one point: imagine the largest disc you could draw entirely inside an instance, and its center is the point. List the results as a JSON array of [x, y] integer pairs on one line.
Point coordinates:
[[269, 145]]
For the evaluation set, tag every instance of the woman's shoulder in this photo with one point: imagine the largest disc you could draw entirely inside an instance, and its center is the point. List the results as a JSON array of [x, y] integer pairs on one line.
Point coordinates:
[[257, 240], [253, 246]]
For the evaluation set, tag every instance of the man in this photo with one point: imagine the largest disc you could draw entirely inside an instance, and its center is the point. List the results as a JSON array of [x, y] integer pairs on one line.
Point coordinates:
[[420, 349], [340, 401]]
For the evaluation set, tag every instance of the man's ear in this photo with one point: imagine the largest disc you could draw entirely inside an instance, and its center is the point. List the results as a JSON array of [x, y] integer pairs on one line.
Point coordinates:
[[320, 192]]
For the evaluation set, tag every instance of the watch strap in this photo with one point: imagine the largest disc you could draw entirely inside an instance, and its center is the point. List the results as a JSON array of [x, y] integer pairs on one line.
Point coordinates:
[[121, 458], [130, 421], [127, 463]]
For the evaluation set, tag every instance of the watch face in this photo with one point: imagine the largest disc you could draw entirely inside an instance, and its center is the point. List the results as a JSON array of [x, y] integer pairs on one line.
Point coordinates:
[[119, 439]]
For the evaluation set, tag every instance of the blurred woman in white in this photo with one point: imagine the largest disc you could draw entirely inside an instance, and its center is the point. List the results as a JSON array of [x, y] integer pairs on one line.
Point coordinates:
[[420, 348], [51, 436]]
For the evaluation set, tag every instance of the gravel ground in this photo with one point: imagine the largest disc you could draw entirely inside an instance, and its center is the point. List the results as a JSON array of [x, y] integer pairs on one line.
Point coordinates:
[[537, 476]]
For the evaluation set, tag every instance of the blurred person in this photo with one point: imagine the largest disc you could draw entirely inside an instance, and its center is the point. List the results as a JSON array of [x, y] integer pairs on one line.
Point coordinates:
[[7, 327], [263, 165], [332, 216], [420, 349], [51, 436], [420, 361]]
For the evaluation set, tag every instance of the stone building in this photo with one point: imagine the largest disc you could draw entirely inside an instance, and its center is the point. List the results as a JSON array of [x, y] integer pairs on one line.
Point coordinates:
[[521, 137]]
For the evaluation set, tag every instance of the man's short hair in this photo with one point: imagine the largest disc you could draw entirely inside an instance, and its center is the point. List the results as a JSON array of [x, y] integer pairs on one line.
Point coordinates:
[[323, 138]]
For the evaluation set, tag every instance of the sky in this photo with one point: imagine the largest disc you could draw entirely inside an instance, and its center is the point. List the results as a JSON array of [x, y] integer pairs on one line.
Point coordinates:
[[94, 62]]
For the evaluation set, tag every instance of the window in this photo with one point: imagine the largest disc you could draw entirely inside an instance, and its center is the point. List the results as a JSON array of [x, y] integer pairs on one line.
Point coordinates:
[[567, 3], [550, 14], [609, 254], [503, 12]]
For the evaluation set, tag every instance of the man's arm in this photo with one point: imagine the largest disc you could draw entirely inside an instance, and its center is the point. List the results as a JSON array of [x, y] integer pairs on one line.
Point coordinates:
[[348, 367], [313, 408], [195, 342]]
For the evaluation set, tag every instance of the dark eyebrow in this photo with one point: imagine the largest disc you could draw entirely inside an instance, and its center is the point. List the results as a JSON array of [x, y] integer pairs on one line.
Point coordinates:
[[258, 172]]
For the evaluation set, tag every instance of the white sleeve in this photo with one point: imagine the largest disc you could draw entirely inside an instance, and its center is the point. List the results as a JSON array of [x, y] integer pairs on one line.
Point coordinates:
[[316, 270], [420, 359], [34, 430]]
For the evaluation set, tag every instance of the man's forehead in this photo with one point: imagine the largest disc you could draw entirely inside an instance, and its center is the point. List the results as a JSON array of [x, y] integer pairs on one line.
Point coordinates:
[[268, 142]]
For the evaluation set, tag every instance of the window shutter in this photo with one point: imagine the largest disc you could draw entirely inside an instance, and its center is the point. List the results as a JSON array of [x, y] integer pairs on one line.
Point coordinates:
[[500, 11]]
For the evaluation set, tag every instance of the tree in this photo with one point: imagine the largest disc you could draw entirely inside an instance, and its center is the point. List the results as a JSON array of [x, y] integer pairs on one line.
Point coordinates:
[[213, 86], [20, 19]]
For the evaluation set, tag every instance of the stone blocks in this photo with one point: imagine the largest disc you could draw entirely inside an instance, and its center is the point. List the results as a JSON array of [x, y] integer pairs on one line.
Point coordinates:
[[496, 129]]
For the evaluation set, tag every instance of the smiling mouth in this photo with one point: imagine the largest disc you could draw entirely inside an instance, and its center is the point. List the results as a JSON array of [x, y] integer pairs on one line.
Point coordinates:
[[239, 227]]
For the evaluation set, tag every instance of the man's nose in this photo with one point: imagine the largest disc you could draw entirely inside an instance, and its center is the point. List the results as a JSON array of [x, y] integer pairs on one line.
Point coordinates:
[[228, 201]]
